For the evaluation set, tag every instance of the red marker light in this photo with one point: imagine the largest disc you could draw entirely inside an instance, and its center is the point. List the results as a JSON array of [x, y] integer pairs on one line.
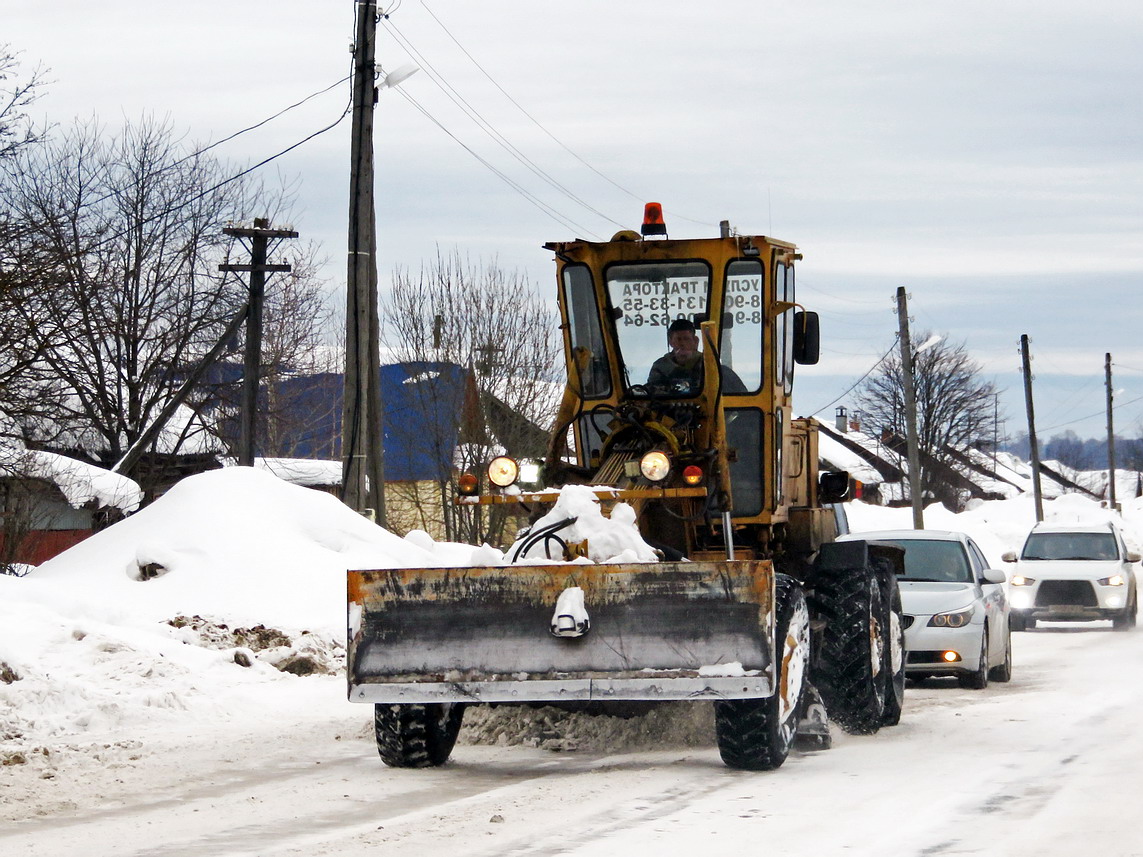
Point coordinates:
[[467, 484], [653, 223], [692, 474]]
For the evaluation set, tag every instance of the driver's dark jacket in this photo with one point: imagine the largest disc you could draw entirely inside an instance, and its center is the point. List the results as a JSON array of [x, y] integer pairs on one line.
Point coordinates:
[[665, 371]]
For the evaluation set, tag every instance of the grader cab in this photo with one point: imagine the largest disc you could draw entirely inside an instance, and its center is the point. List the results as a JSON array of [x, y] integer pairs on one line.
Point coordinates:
[[680, 363]]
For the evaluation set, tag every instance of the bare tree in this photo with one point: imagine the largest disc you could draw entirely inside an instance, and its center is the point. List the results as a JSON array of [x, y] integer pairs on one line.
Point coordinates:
[[954, 407], [17, 92], [492, 325], [119, 238], [24, 389]]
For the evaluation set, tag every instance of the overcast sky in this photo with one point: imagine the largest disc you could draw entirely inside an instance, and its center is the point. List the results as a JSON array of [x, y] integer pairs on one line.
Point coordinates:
[[987, 156]]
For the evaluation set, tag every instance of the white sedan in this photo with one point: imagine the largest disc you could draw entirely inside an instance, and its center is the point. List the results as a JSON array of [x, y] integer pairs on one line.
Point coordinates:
[[956, 610]]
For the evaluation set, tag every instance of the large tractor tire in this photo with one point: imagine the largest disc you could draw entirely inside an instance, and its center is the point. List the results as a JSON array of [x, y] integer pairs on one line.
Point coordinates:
[[894, 670], [416, 736], [757, 734], [853, 663]]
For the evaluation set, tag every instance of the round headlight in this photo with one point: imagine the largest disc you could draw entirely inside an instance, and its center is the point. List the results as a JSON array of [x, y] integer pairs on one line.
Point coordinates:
[[502, 471], [655, 466]]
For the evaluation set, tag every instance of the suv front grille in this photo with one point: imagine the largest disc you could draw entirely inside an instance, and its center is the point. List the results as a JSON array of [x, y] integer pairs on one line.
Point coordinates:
[[1073, 593]]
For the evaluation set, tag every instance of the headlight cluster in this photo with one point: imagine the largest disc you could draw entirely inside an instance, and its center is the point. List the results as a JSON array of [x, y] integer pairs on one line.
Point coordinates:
[[1021, 580], [502, 471], [656, 467], [1114, 580], [956, 619]]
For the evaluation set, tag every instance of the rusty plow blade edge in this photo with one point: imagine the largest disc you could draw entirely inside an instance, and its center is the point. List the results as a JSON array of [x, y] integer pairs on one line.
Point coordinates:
[[657, 631]]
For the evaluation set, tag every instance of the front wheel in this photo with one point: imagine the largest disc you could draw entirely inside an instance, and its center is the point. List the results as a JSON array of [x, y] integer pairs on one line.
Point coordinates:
[[416, 735], [978, 678], [1126, 621], [756, 734]]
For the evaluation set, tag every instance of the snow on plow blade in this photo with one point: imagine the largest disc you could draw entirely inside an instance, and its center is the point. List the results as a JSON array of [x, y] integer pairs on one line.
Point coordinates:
[[686, 630]]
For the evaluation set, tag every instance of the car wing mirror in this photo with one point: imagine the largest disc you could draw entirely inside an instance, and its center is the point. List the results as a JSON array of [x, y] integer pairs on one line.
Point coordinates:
[[1132, 556], [1008, 556], [994, 575]]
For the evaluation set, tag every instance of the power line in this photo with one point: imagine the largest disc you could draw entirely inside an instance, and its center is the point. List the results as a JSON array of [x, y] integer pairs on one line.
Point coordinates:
[[540, 125], [524, 192], [880, 360], [487, 127], [30, 230]]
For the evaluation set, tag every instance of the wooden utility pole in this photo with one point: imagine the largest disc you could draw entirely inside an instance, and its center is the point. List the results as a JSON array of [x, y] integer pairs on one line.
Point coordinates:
[[363, 479], [910, 410], [1110, 435], [1026, 362], [259, 236]]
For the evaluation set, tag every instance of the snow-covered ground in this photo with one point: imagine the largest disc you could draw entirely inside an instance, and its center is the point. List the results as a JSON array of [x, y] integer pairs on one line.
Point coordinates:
[[172, 687]]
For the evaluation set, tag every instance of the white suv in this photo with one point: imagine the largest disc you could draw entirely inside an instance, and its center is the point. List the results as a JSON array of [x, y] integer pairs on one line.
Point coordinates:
[[1073, 572]]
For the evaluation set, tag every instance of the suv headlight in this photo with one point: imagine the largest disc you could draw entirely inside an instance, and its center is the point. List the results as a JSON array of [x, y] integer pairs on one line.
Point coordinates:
[[1114, 580], [956, 619], [1021, 580]]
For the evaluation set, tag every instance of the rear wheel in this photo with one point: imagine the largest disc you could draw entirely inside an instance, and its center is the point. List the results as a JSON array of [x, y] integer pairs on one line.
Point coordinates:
[[756, 734], [894, 655], [978, 678], [851, 673], [416, 736]]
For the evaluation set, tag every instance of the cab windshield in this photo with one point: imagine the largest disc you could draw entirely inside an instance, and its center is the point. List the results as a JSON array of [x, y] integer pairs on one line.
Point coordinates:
[[1089, 546], [649, 296]]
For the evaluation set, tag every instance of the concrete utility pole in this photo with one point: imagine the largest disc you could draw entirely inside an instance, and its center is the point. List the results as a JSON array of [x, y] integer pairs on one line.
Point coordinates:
[[363, 478], [1026, 362], [259, 236], [910, 410], [1110, 435]]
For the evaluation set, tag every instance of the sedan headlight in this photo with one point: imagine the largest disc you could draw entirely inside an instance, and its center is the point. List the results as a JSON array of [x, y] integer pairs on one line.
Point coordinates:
[[502, 471], [1114, 580], [655, 466], [956, 619]]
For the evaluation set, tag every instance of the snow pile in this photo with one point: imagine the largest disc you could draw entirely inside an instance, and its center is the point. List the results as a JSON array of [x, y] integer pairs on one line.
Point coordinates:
[[233, 579], [627, 726], [608, 539]]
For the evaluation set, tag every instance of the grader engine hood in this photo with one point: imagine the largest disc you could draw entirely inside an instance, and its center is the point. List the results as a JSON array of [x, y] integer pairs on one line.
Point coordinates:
[[647, 631]]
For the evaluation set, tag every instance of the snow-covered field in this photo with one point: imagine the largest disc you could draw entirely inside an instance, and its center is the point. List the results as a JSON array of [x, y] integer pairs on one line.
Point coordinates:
[[200, 711]]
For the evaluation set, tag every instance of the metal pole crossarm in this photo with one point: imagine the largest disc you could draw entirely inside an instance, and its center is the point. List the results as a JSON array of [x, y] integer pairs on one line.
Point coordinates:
[[251, 232], [252, 268]]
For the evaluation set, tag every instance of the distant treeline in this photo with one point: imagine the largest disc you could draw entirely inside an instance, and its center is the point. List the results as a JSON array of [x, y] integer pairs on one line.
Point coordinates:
[[1081, 453]]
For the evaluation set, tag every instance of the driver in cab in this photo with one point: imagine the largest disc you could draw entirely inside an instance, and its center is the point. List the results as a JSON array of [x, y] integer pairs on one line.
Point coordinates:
[[683, 363]]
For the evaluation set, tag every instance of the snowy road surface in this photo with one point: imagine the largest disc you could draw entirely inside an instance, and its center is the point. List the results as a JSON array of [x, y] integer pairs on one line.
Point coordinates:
[[1050, 764]]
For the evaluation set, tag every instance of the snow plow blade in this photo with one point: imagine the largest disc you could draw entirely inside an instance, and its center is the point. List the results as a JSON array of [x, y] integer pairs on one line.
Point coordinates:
[[688, 630]]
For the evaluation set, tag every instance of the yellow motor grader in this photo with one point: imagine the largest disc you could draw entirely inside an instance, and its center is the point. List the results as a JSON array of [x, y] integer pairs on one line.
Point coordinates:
[[750, 605]]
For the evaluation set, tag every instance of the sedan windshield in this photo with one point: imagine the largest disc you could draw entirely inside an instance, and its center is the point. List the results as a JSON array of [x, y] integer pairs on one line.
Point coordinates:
[[1089, 546], [935, 560]]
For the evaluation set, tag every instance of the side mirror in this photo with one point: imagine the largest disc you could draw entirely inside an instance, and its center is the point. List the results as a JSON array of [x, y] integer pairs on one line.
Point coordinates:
[[807, 338], [1008, 556], [1132, 556], [833, 486], [993, 575]]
